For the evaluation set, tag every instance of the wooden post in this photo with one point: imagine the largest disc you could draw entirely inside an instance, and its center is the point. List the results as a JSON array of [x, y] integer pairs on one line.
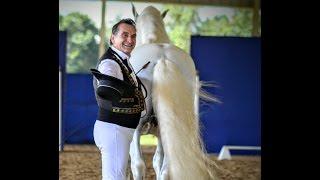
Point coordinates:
[[255, 19], [102, 29], [60, 110]]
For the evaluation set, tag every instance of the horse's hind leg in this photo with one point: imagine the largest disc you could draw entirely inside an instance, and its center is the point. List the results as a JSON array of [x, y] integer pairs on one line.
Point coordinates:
[[160, 162], [164, 173], [138, 166], [158, 158]]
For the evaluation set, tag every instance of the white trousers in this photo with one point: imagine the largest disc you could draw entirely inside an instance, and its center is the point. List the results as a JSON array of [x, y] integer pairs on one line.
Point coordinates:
[[113, 142]]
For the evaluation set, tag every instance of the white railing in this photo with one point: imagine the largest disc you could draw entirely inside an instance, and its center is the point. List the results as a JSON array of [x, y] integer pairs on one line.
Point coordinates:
[[225, 150]]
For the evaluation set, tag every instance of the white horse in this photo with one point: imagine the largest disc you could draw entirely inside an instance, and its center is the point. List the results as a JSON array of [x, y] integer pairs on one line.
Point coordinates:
[[173, 91]]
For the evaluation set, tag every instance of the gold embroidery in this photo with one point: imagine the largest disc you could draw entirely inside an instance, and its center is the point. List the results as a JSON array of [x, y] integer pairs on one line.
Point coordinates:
[[138, 94], [126, 110], [126, 100]]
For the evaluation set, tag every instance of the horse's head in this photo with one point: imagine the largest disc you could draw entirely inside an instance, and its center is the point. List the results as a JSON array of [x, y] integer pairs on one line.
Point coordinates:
[[150, 26], [149, 9]]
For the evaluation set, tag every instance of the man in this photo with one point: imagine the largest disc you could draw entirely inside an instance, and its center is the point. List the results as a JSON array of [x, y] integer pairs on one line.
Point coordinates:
[[120, 101]]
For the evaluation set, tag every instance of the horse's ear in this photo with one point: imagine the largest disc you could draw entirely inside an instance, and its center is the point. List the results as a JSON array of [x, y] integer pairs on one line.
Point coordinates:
[[134, 12], [164, 13]]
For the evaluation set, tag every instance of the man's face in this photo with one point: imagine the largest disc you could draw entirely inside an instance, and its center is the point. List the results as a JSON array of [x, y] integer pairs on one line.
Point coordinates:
[[125, 39]]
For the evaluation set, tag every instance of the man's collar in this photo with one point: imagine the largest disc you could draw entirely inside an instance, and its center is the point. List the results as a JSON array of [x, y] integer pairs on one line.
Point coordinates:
[[120, 53]]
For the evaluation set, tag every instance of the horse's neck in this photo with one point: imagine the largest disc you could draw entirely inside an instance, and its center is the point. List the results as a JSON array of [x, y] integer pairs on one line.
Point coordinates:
[[152, 39], [159, 36]]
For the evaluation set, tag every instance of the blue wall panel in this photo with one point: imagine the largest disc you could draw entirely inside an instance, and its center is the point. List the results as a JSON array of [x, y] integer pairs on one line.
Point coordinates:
[[234, 64], [80, 109]]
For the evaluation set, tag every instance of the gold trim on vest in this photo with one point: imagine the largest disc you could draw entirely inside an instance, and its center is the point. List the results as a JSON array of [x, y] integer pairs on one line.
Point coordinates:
[[138, 94]]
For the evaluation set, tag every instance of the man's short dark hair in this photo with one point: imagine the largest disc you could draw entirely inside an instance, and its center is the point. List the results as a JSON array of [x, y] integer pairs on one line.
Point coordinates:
[[115, 27]]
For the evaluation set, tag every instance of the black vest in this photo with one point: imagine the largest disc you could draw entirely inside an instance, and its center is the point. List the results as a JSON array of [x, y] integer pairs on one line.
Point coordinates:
[[127, 111]]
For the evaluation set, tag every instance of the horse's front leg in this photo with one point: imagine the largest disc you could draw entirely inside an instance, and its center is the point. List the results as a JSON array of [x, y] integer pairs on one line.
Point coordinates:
[[138, 166]]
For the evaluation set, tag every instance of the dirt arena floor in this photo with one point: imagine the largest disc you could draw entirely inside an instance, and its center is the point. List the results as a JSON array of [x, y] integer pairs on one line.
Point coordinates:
[[82, 162]]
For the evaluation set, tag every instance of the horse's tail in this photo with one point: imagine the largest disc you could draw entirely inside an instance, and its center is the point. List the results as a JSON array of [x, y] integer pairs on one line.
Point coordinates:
[[173, 99]]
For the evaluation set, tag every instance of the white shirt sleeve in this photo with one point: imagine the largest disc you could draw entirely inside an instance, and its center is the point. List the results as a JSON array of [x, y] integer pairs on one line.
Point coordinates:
[[110, 68]]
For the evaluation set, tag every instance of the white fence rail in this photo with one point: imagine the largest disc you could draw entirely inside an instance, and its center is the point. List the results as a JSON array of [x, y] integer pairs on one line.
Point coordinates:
[[225, 150]]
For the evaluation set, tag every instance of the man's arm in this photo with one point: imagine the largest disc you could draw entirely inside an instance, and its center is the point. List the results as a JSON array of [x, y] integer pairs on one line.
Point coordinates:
[[110, 84], [110, 68]]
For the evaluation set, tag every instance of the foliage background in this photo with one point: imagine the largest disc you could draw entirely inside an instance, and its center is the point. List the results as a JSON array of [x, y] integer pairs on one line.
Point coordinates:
[[181, 22]]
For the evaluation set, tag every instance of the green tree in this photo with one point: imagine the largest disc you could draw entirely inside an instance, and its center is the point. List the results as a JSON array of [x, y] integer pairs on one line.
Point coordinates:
[[239, 25], [183, 21], [180, 23], [82, 48], [242, 22], [216, 26]]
